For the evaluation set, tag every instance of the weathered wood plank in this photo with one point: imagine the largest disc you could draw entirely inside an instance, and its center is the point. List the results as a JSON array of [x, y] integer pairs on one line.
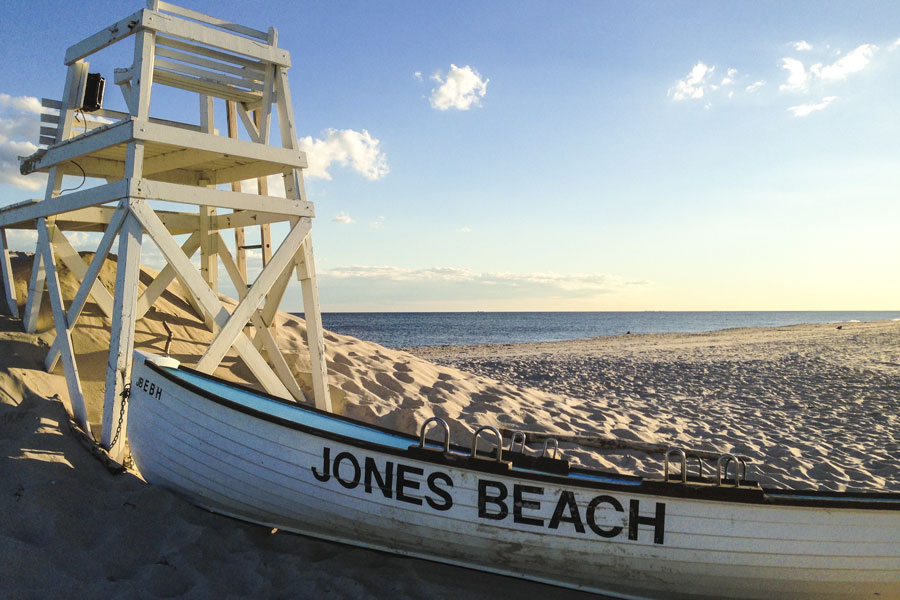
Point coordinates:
[[105, 37], [214, 21], [165, 277], [282, 369], [194, 32], [70, 257], [70, 368], [121, 342], [216, 351], [89, 279], [205, 297], [153, 132], [184, 194], [314, 331], [9, 284], [35, 292], [73, 200]]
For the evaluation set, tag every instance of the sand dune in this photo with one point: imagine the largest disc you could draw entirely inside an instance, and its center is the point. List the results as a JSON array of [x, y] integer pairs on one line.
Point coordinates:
[[814, 406]]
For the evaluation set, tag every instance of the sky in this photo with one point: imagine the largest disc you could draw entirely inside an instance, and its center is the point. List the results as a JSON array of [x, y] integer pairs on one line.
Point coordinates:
[[522, 155]]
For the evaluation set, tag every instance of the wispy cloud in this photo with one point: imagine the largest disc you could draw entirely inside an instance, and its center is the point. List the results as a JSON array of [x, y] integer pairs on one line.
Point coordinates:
[[19, 127], [460, 88], [377, 223], [802, 46], [754, 86], [343, 218], [465, 229], [694, 85], [854, 61], [799, 77], [462, 282], [346, 147], [804, 110]]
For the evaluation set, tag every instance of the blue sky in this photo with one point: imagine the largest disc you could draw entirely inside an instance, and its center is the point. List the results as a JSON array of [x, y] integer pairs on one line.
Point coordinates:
[[563, 155]]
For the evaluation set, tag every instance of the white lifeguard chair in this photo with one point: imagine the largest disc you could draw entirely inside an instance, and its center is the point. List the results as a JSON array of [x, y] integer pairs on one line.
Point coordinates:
[[144, 160]]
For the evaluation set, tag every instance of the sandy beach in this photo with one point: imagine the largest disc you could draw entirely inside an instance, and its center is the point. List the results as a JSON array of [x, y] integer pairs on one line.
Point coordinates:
[[813, 406]]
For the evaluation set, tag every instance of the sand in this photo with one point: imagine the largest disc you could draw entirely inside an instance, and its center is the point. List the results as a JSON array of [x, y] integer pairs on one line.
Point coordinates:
[[814, 406]]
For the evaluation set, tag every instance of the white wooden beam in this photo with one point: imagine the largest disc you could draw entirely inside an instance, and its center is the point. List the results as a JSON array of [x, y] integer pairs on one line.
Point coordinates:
[[35, 291], [72, 201], [154, 132], [282, 369], [314, 330], [88, 280], [105, 37], [9, 283], [201, 34], [186, 194], [142, 73], [165, 277], [70, 369], [246, 218], [208, 301], [76, 264], [121, 341], [198, 16], [216, 351]]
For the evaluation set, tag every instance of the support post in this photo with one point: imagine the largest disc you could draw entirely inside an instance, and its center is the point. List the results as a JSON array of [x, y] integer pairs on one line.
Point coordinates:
[[9, 283], [121, 342], [70, 369], [314, 331]]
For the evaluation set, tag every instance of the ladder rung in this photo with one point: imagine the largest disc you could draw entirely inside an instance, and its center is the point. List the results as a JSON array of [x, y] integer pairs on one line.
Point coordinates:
[[256, 247]]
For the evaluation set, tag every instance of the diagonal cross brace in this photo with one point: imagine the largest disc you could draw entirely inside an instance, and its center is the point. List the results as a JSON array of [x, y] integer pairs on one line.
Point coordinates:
[[89, 281], [209, 302], [281, 260]]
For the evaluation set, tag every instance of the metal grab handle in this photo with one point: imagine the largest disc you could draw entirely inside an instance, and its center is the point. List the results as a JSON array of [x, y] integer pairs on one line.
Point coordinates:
[[683, 456], [496, 433], [440, 421], [518, 439], [547, 443], [699, 465], [725, 460]]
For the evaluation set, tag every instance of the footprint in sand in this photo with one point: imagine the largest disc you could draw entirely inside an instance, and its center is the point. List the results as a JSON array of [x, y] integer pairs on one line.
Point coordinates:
[[389, 382], [403, 376]]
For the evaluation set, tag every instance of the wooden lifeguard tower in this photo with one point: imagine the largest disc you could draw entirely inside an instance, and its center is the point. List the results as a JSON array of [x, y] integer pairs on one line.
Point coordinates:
[[145, 160]]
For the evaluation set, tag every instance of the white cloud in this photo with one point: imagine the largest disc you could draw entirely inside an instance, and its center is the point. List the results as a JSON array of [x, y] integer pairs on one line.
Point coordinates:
[[896, 43], [377, 223], [695, 85], [802, 46], [754, 86], [346, 147], [461, 88], [19, 128], [417, 75], [798, 78], [463, 279], [465, 229], [729, 77], [854, 61], [25, 104], [343, 218], [803, 110]]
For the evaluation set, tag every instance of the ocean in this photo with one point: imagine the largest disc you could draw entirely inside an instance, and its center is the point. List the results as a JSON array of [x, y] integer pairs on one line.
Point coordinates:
[[397, 330]]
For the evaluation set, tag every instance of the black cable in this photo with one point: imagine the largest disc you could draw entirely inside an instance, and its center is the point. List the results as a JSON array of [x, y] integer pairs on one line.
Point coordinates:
[[83, 177]]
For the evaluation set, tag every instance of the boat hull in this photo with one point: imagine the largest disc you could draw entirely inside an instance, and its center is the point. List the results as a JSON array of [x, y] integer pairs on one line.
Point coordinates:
[[606, 536]]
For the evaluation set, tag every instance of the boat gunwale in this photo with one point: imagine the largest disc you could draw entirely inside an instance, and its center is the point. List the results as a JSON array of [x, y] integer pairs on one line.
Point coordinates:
[[673, 489]]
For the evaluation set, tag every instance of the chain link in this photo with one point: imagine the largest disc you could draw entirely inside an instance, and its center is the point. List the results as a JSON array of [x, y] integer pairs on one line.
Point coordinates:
[[126, 393]]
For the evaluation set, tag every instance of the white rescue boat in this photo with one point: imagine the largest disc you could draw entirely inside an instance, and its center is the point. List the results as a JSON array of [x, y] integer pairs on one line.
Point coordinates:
[[254, 457]]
